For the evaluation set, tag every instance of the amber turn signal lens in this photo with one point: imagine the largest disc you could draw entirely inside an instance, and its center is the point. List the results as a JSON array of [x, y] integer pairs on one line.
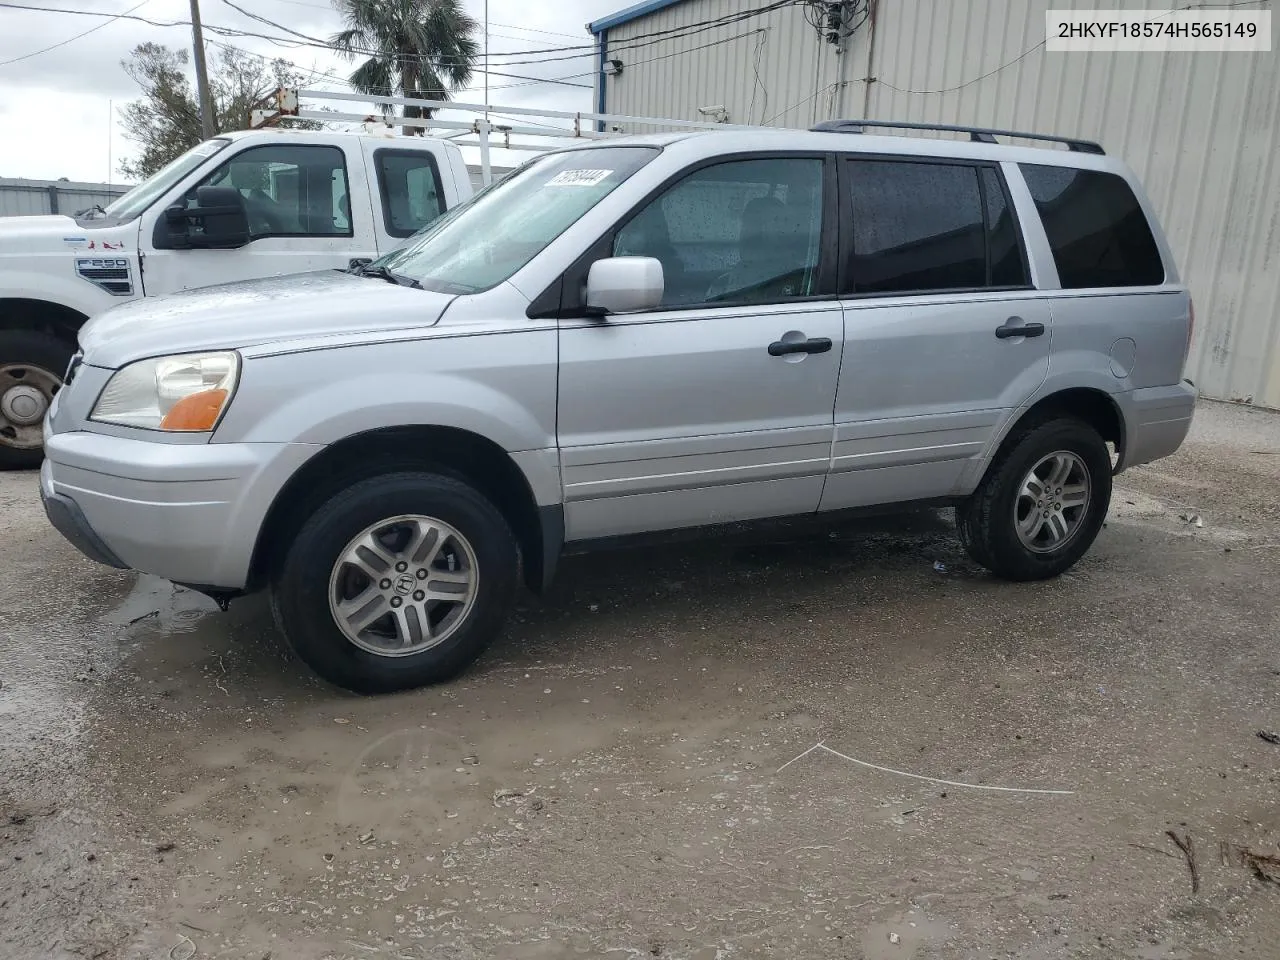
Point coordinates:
[[197, 412]]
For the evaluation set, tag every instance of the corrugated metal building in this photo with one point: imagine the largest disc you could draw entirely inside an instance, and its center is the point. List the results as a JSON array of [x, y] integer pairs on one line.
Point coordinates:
[[1201, 129], [27, 198]]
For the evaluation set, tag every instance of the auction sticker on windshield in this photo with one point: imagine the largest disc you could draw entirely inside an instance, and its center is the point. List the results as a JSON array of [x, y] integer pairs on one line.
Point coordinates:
[[578, 178]]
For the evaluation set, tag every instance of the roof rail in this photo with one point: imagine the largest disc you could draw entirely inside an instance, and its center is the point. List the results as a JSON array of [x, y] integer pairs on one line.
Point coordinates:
[[977, 134]]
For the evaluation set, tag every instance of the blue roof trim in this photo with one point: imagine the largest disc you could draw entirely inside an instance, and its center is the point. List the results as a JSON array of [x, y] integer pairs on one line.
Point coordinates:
[[631, 13]]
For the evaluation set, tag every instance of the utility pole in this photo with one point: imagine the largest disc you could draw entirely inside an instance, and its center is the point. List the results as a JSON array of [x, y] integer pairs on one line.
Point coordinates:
[[208, 122]]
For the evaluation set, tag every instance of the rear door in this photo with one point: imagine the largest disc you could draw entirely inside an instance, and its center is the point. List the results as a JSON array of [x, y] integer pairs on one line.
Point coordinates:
[[305, 213], [944, 333], [409, 190]]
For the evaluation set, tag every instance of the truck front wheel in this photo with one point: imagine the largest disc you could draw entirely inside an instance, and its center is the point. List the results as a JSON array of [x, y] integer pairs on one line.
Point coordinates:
[[31, 368]]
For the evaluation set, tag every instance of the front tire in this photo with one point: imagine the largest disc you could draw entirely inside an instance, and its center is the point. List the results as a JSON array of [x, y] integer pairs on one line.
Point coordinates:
[[1041, 503], [398, 581], [31, 368]]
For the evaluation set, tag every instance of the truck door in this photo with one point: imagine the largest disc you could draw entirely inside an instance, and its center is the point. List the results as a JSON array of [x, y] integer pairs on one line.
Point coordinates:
[[410, 187], [308, 210]]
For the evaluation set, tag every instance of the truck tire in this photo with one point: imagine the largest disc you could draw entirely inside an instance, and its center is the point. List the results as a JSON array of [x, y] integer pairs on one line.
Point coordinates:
[[398, 581], [1041, 503], [31, 368]]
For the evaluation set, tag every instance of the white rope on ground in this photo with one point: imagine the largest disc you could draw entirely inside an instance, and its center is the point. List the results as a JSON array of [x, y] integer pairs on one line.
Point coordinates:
[[916, 776]]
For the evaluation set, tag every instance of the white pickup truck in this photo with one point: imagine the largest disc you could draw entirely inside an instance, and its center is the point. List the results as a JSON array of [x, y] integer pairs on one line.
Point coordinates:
[[243, 205]]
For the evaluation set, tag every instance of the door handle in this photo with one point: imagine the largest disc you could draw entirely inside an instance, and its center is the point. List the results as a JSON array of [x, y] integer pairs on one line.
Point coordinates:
[[1014, 327], [780, 348]]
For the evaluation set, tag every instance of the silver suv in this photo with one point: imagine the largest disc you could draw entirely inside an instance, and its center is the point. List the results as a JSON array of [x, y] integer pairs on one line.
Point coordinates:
[[630, 337]]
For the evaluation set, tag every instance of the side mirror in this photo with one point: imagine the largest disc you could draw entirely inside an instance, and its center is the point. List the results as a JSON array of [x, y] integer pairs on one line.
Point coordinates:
[[218, 220], [624, 285]]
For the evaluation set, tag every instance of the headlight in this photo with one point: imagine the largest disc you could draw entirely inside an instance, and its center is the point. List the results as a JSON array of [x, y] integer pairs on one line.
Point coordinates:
[[184, 393]]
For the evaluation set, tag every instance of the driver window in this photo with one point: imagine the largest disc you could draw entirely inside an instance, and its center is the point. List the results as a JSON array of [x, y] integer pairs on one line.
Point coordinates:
[[298, 191], [746, 231]]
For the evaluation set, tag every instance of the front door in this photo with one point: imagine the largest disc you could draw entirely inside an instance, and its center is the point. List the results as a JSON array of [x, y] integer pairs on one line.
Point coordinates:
[[944, 335], [717, 406], [301, 218]]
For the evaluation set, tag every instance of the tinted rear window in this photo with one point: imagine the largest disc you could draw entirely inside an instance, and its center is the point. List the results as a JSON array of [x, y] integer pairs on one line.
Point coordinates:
[[1097, 231], [919, 227]]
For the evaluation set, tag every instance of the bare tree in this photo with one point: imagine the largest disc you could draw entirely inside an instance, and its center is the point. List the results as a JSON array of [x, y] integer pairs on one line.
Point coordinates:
[[165, 122]]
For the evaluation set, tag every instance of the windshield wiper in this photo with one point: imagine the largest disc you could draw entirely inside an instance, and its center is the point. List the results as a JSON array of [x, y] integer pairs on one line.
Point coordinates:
[[382, 273]]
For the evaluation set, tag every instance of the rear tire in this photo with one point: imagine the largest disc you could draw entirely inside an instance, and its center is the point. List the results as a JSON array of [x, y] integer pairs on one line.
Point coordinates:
[[29, 361], [1041, 503], [398, 581]]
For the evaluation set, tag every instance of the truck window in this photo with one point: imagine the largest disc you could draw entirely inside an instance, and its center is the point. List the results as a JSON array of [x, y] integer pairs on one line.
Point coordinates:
[[289, 190], [920, 227], [1097, 230], [409, 183]]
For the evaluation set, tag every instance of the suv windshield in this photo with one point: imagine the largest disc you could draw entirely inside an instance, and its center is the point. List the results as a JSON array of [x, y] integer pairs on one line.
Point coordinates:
[[144, 194], [484, 241]]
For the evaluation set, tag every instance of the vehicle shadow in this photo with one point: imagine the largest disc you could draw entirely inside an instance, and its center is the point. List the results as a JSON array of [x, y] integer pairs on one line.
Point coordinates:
[[676, 586]]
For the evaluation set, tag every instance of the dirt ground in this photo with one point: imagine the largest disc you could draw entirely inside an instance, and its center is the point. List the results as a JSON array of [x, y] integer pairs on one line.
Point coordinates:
[[849, 744]]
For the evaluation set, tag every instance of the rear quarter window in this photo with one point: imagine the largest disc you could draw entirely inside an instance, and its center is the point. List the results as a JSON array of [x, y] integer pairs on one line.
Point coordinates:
[[1096, 228]]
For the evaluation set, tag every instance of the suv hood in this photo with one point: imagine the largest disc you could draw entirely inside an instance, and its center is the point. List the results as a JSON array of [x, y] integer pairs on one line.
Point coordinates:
[[248, 313]]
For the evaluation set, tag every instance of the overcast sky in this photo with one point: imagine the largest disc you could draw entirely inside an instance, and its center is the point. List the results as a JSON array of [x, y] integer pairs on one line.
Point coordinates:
[[59, 109]]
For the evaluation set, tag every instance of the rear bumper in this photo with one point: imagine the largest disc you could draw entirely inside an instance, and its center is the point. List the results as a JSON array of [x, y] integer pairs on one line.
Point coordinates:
[[1157, 420], [185, 512]]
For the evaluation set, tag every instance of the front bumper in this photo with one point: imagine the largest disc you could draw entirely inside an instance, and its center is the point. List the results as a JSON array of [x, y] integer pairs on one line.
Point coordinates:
[[68, 519], [183, 511]]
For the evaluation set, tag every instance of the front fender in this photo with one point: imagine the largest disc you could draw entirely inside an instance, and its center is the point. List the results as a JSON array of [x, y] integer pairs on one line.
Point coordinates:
[[69, 292], [500, 386]]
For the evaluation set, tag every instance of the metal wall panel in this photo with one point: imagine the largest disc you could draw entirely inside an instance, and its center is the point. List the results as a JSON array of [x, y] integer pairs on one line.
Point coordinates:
[[1202, 130], [765, 69], [25, 198]]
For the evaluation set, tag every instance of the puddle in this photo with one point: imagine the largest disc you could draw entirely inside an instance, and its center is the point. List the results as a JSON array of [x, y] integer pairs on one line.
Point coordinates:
[[903, 936], [160, 604]]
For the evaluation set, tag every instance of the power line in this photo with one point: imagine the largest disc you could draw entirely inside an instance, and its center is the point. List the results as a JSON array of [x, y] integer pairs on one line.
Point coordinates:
[[550, 33], [585, 49], [795, 106], [95, 13], [960, 86], [63, 43], [272, 23], [639, 41], [562, 81]]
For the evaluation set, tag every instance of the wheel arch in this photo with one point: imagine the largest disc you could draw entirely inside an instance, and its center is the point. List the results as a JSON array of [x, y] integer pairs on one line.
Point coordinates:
[[1095, 407], [47, 316], [468, 456]]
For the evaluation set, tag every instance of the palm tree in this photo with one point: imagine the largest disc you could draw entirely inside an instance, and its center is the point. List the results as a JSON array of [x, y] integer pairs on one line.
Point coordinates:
[[417, 48]]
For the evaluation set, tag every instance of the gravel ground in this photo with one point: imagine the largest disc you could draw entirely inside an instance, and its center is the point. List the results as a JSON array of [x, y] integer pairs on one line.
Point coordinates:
[[800, 745]]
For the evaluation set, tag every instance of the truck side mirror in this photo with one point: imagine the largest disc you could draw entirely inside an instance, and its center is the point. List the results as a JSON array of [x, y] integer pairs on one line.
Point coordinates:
[[219, 220]]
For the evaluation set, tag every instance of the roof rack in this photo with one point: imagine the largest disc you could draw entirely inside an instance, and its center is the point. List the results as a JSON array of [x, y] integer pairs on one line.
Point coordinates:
[[976, 134]]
